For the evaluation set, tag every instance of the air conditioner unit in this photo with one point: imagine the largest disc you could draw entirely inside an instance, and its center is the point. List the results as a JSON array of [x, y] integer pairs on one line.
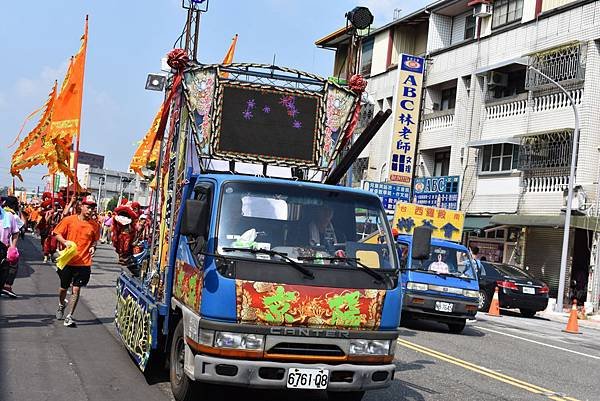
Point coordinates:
[[482, 10], [497, 79]]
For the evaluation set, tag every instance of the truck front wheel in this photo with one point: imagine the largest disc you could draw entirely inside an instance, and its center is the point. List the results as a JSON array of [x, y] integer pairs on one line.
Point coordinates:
[[181, 385]]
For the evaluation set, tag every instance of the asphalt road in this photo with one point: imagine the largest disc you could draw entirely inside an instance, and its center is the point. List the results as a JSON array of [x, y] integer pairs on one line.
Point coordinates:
[[506, 358]]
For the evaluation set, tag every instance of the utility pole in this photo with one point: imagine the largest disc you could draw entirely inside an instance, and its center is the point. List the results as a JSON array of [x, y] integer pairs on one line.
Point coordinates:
[[574, 149]]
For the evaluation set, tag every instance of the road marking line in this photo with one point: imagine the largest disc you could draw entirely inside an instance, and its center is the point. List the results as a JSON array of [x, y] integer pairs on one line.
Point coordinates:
[[484, 371], [540, 343]]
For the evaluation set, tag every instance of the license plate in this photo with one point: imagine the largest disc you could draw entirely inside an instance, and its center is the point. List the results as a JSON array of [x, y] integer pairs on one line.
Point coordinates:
[[528, 290], [315, 379], [444, 306]]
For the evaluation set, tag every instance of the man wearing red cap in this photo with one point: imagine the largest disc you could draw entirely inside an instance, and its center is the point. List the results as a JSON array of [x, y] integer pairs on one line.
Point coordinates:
[[83, 230]]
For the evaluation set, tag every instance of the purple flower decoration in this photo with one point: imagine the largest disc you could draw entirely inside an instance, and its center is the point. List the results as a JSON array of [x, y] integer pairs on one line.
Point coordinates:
[[251, 103], [266, 109], [297, 124], [247, 115]]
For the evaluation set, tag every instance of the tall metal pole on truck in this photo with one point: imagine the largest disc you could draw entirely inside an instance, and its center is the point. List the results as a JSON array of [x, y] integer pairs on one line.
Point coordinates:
[[574, 149]]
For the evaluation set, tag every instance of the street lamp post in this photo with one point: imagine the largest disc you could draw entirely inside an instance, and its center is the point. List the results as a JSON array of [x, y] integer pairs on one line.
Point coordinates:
[[565, 245]]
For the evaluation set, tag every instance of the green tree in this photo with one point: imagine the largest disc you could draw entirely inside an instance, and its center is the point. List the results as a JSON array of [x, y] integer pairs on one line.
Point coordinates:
[[112, 204]]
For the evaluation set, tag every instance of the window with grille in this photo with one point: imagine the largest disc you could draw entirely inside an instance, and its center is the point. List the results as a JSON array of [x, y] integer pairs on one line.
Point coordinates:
[[499, 157], [359, 169], [564, 63], [366, 58], [546, 155], [506, 11]]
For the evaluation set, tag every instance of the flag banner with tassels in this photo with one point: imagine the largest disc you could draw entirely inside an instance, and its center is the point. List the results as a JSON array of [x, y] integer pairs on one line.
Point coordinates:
[[31, 151], [148, 150]]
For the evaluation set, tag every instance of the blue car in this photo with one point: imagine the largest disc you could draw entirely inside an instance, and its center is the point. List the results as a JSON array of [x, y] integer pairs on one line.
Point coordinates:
[[444, 287]]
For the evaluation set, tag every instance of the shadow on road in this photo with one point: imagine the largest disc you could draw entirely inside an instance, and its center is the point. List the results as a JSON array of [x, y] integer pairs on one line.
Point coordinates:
[[435, 327], [414, 365]]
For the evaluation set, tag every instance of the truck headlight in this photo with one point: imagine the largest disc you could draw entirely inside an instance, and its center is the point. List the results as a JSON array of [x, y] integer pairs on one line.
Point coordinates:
[[369, 347], [206, 337], [251, 342], [417, 286], [471, 293]]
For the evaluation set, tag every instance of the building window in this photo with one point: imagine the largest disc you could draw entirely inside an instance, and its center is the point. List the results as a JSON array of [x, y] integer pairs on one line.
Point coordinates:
[[366, 58], [514, 85], [448, 99], [564, 63], [506, 11], [469, 27], [441, 164], [499, 157]]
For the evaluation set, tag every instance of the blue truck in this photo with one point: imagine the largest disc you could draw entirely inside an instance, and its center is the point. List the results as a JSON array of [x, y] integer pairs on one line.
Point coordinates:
[[253, 279], [442, 287]]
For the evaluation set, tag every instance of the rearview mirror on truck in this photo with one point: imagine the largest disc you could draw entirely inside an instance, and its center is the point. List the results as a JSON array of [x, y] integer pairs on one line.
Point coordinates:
[[195, 218], [421, 243]]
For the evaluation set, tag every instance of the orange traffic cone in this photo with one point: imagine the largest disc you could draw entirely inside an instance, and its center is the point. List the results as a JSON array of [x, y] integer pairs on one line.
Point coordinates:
[[495, 305], [572, 324]]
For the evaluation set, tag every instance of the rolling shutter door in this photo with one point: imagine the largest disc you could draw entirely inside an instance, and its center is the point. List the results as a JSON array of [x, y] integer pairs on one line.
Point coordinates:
[[543, 249]]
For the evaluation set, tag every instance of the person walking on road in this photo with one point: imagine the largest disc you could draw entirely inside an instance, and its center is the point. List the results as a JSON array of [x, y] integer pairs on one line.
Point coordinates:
[[83, 230], [10, 207], [9, 255]]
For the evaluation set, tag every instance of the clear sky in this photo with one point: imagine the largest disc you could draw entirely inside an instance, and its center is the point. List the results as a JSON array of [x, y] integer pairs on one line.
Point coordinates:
[[127, 39]]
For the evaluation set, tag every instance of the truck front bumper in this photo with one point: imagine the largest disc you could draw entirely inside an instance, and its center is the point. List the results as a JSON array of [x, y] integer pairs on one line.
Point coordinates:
[[423, 306], [267, 374]]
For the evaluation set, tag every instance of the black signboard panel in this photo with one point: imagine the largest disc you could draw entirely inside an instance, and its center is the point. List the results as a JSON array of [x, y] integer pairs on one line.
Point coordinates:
[[268, 123]]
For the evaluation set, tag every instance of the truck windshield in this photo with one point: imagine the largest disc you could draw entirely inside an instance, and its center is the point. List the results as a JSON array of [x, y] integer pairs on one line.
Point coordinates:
[[309, 225], [447, 261]]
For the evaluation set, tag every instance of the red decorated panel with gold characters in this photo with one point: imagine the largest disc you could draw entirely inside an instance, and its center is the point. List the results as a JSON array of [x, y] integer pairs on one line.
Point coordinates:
[[297, 305]]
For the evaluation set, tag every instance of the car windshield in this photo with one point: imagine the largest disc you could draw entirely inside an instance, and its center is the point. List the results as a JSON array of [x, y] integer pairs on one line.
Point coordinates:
[[447, 261], [511, 271], [308, 225]]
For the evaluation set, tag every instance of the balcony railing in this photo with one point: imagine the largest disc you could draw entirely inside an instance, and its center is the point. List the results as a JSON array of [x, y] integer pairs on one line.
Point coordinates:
[[438, 120], [556, 100], [546, 184], [508, 108], [518, 105], [552, 4]]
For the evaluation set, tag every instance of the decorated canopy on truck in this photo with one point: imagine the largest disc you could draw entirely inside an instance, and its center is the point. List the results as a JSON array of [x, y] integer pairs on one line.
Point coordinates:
[[268, 115]]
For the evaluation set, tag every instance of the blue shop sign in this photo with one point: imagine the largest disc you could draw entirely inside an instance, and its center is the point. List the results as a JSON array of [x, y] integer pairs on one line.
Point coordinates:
[[390, 194], [437, 191]]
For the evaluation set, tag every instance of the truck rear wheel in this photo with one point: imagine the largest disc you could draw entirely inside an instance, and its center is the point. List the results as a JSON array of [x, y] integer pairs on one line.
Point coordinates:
[[182, 386], [345, 395], [457, 327]]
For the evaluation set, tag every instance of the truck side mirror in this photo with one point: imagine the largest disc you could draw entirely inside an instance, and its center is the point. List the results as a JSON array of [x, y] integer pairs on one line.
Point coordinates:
[[421, 243], [195, 218]]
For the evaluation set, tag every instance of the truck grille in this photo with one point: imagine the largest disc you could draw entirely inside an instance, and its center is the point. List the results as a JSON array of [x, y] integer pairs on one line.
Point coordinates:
[[306, 349]]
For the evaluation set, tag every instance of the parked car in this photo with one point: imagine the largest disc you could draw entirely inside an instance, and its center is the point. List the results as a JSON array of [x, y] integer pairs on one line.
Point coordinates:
[[516, 289]]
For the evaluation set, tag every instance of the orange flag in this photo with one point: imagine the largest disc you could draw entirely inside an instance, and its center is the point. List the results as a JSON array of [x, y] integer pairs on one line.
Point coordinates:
[[67, 110], [67, 113], [149, 148], [229, 55], [31, 150]]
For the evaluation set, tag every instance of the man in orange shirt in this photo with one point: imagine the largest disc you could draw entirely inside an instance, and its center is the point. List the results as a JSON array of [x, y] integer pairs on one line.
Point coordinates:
[[83, 230]]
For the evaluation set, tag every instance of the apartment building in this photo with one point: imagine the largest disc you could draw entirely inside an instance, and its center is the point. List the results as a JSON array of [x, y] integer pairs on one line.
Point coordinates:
[[504, 130]]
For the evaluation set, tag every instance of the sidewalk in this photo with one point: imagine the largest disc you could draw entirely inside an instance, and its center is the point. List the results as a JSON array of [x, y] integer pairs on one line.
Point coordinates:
[[592, 322]]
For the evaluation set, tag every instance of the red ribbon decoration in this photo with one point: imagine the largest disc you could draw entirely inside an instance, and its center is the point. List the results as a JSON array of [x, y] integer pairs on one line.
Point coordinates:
[[358, 85]]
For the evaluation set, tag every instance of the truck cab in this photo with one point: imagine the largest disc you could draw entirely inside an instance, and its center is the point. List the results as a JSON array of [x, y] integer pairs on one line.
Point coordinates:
[[442, 287]]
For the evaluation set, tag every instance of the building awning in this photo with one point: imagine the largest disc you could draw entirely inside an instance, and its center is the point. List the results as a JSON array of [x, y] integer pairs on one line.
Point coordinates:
[[473, 223], [582, 222], [495, 66], [492, 141]]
